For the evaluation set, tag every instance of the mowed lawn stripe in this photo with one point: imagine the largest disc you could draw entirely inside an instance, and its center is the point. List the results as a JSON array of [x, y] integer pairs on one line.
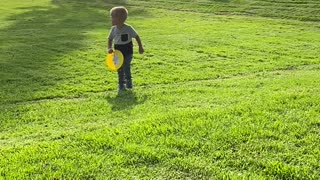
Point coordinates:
[[215, 96]]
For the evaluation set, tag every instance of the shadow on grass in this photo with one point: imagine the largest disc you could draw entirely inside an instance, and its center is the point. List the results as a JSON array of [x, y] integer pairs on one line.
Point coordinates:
[[125, 100], [34, 54]]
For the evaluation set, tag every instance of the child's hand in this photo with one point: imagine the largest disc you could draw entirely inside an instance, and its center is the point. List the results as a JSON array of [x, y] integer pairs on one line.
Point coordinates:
[[110, 50], [141, 50]]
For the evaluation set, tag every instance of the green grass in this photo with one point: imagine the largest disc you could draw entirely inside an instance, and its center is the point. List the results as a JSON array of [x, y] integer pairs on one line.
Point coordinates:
[[226, 89]]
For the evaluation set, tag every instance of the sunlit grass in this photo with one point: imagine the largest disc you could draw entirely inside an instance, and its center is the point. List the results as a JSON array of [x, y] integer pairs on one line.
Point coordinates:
[[215, 96]]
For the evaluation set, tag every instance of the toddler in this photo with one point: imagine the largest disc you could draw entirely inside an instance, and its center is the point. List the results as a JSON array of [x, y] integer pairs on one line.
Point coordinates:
[[121, 35]]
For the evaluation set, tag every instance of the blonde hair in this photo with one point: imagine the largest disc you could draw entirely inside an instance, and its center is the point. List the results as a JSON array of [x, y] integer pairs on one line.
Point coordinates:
[[120, 12]]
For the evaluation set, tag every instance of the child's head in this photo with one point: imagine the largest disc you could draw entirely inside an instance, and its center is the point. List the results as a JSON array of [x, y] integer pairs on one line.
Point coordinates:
[[118, 15]]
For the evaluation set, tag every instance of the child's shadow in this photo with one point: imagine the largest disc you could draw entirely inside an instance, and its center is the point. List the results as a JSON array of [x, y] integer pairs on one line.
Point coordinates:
[[125, 100]]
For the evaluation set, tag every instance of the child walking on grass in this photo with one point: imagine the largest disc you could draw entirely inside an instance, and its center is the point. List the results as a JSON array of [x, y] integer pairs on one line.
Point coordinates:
[[121, 35]]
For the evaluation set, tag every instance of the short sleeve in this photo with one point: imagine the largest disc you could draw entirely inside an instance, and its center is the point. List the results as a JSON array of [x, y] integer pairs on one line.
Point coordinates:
[[133, 32], [111, 33]]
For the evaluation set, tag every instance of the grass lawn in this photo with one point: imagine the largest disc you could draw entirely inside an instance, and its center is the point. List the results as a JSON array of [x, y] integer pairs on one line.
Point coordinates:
[[226, 89]]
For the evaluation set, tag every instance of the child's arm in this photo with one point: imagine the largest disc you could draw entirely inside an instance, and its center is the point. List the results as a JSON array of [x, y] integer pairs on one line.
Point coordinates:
[[141, 50], [110, 50]]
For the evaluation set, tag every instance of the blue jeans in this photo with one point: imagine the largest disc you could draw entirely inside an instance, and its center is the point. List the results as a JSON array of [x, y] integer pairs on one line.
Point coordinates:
[[124, 73]]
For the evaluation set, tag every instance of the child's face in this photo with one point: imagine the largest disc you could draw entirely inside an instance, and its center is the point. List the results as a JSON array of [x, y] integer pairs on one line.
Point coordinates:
[[115, 20]]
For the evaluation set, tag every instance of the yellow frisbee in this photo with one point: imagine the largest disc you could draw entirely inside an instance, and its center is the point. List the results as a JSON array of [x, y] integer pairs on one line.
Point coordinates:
[[114, 60]]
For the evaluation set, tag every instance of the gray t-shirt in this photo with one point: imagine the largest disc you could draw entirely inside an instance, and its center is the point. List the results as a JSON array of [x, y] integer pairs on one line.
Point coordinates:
[[122, 35]]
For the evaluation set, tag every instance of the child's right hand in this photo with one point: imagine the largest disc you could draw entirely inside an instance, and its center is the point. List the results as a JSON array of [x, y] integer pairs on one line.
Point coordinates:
[[110, 50]]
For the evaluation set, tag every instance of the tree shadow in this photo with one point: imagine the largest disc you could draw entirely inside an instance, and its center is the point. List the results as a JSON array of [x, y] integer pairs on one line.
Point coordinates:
[[40, 58], [38, 39], [125, 100]]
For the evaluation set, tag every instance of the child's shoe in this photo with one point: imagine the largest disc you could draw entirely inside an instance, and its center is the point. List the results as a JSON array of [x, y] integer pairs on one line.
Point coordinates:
[[121, 88], [129, 84]]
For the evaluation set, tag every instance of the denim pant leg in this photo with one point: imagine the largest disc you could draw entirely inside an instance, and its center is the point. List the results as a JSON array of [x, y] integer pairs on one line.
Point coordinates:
[[121, 78], [124, 73], [127, 67]]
